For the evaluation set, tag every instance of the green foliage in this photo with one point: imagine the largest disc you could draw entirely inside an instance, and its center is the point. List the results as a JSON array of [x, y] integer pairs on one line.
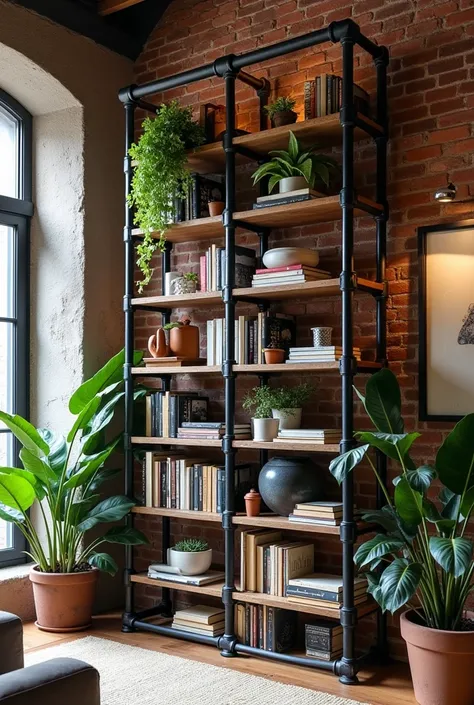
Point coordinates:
[[65, 474], [317, 169], [261, 400], [280, 105], [422, 558], [191, 277], [192, 546], [161, 176]]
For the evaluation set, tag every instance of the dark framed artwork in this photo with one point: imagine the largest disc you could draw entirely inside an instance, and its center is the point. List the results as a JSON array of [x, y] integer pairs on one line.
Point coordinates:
[[446, 319]]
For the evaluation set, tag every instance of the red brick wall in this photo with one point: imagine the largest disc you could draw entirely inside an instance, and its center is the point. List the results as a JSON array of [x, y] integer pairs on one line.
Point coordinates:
[[431, 108]]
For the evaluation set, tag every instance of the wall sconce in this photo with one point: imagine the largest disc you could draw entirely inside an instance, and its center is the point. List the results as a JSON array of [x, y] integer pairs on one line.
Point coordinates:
[[446, 194]]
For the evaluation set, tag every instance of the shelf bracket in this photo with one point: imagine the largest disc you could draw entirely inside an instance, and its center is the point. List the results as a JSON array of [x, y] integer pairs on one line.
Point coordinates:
[[226, 644]]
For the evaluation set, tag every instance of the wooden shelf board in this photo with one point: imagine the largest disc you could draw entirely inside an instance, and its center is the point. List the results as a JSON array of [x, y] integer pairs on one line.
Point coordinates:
[[190, 230], [250, 369], [300, 447], [164, 370], [200, 298], [283, 523], [144, 440], [214, 589], [178, 514]]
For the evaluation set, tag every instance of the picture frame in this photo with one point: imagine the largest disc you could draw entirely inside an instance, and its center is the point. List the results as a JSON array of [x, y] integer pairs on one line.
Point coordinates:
[[446, 320]]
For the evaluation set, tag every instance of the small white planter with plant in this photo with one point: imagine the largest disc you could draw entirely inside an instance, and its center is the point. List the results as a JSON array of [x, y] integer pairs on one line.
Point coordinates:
[[191, 556], [287, 404], [258, 402]]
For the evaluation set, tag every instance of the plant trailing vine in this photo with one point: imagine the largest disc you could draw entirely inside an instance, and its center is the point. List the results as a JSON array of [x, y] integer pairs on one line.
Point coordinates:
[[161, 177]]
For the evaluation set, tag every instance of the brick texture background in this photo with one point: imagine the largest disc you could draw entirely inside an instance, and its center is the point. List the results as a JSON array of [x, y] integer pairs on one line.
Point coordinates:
[[431, 109]]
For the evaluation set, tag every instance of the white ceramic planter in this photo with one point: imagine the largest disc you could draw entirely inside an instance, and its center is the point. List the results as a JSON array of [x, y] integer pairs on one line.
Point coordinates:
[[292, 183], [190, 562], [288, 418], [264, 429]]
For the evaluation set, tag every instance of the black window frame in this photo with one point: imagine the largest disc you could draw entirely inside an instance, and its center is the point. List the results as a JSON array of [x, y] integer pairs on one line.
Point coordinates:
[[17, 213]]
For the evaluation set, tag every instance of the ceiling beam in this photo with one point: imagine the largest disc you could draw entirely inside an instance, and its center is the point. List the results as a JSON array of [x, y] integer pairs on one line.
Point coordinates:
[[107, 7]]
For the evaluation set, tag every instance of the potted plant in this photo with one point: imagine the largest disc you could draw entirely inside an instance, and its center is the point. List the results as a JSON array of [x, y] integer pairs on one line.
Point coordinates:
[[281, 111], [259, 401], [273, 356], [185, 284], [191, 556], [183, 338], [64, 476], [216, 207], [161, 178], [287, 404], [296, 169], [421, 557]]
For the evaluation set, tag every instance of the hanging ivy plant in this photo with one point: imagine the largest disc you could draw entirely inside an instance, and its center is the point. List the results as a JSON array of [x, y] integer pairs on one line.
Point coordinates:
[[161, 177]]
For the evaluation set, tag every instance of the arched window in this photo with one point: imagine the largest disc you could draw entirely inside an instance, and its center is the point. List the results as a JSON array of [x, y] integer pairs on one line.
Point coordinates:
[[16, 209]]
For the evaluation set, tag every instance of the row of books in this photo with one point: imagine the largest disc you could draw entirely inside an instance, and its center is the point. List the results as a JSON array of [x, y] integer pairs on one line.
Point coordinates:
[[298, 274], [323, 96], [324, 353], [325, 591], [318, 513], [268, 628], [200, 619], [213, 430], [212, 268], [319, 436], [201, 190], [165, 412], [252, 335]]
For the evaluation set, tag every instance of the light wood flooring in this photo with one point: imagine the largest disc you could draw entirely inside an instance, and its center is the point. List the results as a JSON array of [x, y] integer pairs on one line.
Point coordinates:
[[389, 685]]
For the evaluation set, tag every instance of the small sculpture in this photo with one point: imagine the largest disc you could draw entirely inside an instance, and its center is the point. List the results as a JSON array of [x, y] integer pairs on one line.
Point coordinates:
[[183, 340]]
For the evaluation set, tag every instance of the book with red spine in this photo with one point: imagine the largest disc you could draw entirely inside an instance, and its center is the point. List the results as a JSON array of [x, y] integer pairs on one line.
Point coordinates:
[[202, 272]]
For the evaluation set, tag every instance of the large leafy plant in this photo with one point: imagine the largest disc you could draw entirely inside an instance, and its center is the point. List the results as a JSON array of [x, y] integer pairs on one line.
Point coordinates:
[[64, 477], [421, 556], [161, 177], [315, 168]]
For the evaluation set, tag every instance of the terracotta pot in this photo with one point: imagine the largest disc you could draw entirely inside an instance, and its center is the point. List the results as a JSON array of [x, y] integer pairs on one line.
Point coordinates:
[[252, 503], [273, 356], [286, 117], [216, 207], [184, 341], [157, 344], [63, 601], [440, 662]]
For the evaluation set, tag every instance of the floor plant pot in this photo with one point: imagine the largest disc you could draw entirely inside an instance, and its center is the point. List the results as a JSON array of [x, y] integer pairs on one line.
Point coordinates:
[[292, 183], [286, 481], [63, 601], [289, 418], [440, 662], [264, 429], [285, 117], [190, 562]]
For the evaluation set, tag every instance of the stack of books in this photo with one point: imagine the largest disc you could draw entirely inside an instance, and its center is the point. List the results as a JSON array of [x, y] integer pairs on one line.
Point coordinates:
[[268, 628], [200, 619], [201, 190], [319, 436], [212, 268], [213, 430], [325, 591], [319, 513], [166, 411], [161, 571], [323, 96], [325, 353], [293, 274], [323, 640], [282, 199]]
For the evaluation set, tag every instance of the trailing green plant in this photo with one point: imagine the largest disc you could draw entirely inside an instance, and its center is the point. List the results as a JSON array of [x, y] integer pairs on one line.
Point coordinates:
[[315, 168], [291, 397], [191, 277], [421, 556], [258, 402], [64, 477], [280, 105], [161, 177], [192, 546]]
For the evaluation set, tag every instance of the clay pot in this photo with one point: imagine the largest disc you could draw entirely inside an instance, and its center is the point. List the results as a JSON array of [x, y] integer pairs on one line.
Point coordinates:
[[184, 341], [286, 117], [252, 503], [216, 207], [440, 662], [63, 601], [157, 344], [273, 356]]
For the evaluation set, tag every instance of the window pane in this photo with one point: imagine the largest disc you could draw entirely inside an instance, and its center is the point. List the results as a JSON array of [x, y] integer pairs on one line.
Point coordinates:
[[7, 333], [7, 271], [8, 155], [6, 459]]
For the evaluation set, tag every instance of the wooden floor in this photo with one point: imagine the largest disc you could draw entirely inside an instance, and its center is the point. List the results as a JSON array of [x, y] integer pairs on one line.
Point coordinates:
[[389, 685]]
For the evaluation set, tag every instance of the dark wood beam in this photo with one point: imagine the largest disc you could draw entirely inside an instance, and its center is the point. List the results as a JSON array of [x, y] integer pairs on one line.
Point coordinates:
[[108, 7]]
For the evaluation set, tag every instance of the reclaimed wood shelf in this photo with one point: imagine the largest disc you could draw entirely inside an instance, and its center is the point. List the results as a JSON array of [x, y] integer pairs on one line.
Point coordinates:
[[363, 365], [274, 521], [159, 370], [178, 513], [213, 589], [309, 447], [191, 442]]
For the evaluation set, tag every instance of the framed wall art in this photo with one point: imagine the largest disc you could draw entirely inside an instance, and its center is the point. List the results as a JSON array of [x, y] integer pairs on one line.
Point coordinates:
[[446, 318]]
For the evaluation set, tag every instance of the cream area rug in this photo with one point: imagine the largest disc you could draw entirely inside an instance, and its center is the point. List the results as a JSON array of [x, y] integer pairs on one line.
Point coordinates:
[[130, 675]]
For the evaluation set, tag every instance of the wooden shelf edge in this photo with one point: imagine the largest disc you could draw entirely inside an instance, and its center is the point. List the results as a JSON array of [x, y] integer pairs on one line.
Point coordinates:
[[253, 369], [249, 444], [178, 513], [164, 370]]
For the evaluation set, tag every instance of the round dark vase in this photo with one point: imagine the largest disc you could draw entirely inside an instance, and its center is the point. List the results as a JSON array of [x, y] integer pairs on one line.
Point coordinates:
[[286, 481]]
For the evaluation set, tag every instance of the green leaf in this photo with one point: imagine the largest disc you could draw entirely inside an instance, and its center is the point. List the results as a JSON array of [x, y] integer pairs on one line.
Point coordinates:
[[126, 535], [80, 508], [408, 503], [307, 169], [383, 517], [341, 466], [399, 583], [11, 515], [84, 416], [267, 169], [110, 509], [445, 526], [88, 467], [451, 504], [98, 422], [455, 458], [16, 492], [102, 476], [430, 511], [393, 445], [293, 147], [373, 588], [421, 478], [103, 562], [39, 467], [273, 181], [57, 449], [454, 555], [376, 548], [26, 433], [383, 402], [467, 502]]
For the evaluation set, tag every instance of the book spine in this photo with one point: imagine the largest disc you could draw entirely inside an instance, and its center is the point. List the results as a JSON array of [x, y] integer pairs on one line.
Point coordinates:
[[195, 504], [270, 629], [200, 488], [329, 94], [247, 625], [312, 593], [143, 492], [260, 626], [220, 490], [323, 655], [318, 96], [163, 492], [173, 416], [285, 200], [196, 196], [307, 100], [202, 273]]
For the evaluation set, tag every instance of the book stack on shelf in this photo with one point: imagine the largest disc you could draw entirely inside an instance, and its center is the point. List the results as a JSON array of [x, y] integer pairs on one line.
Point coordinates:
[[167, 411], [162, 571], [318, 513], [318, 436], [201, 190], [282, 199], [323, 96], [212, 268], [294, 274], [200, 619], [324, 353], [325, 591], [268, 628], [213, 430], [323, 640]]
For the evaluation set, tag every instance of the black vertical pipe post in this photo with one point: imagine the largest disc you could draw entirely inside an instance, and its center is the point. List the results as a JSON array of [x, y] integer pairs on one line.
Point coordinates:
[[228, 640], [263, 95], [348, 663], [129, 349]]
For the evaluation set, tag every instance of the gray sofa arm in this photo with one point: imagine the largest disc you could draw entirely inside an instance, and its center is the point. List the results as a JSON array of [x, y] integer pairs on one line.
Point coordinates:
[[55, 682], [11, 642]]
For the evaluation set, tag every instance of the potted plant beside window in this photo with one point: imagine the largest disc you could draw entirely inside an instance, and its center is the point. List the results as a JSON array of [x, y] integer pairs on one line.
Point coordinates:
[[287, 403], [281, 111], [421, 556], [259, 402]]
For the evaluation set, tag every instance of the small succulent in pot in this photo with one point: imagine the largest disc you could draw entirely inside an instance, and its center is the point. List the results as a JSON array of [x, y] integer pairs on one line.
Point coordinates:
[[191, 545], [191, 556], [281, 111], [185, 284]]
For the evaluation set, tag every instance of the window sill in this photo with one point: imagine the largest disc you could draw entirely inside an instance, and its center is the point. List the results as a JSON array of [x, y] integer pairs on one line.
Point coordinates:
[[15, 572], [16, 591]]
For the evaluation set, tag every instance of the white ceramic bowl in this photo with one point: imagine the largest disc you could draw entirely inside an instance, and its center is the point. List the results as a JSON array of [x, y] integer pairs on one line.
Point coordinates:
[[286, 256]]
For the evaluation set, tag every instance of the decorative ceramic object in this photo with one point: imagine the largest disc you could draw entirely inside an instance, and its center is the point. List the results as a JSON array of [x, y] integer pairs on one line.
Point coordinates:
[[190, 562], [157, 344], [184, 340], [286, 481], [292, 183], [216, 208], [273, 356], [169, 278], [264, 429], [288, 418], [321, 336], [182, 285], [286, 256], [284, 117], [252, 503]]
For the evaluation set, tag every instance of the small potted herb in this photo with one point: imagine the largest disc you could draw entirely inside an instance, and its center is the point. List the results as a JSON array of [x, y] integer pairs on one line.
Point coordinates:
[[259, 402], [216, 207], [281, 111], [287, 404], [185, 284], [191, 556]]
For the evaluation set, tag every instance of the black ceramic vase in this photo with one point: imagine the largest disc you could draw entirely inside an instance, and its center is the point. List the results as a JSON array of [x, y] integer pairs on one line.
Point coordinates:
[[285, 481]]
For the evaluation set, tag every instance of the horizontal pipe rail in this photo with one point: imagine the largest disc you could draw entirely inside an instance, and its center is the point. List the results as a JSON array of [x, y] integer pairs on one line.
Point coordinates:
[[176, 633], [286, 658]]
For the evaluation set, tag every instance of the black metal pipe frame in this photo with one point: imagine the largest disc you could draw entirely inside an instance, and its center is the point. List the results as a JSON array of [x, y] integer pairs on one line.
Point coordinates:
[[230, 68]]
